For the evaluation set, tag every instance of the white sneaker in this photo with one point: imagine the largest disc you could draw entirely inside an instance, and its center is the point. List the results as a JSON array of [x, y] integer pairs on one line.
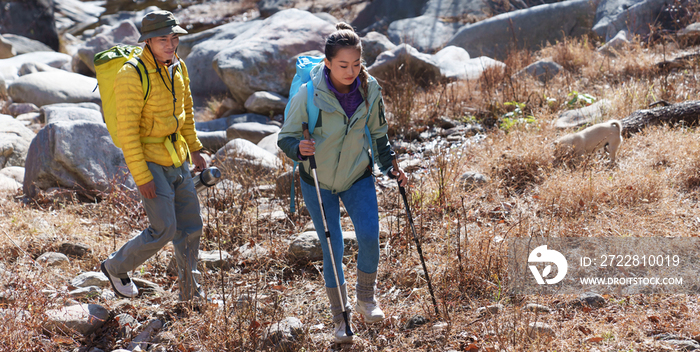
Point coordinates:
[[340, 336], [122, 287], [370, 311]]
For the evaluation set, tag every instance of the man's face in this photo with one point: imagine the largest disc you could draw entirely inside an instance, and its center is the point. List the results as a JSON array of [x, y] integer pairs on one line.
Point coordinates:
[[164, 47]]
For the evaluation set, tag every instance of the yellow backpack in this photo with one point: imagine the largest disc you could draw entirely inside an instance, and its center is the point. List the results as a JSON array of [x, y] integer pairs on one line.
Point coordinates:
[[107, 64]]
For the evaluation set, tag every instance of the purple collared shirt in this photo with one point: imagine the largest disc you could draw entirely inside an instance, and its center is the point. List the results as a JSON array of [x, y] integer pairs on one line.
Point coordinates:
[[349, 101]]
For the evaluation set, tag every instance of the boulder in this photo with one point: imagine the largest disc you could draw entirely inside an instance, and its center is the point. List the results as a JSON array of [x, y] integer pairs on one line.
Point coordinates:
[[203, 76], [124, 33], [407, 59], [327, 17], [16, 109], [618, 42], [213, 140], [455, 63], [690, 32], [224, 123], [257, 60], [543, 70], [269, 143], [13, 45], [135, 17], [43, 88], [61, 112], [33, 19], [8, 184], [268, 8], [583, 116], [14, 172], [307, 247], [634, 16], [456, 8], [9, 68], [373, 44], [73, 15], [251, 131], [53, 259], [91, 278], [60, 155], [425, 33], [240, 154], [285, 334], [81, 318], [32, 67], [266, 103], [379, 13], [15, 141], [525, 29]]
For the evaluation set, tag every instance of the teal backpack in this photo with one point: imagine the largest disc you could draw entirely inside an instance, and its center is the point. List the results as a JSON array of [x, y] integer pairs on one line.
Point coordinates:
[[304, 66]]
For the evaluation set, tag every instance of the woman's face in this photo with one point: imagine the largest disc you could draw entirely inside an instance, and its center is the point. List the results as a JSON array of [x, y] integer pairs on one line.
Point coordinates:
[[345, 67], [164, 47]]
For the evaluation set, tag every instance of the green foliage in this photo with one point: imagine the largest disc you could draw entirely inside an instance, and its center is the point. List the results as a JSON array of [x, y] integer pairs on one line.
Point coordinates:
[[579, 100], [516, 117]]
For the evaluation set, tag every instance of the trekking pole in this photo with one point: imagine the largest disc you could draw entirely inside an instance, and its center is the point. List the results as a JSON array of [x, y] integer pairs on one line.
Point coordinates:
[[415, 237], [312, 160]]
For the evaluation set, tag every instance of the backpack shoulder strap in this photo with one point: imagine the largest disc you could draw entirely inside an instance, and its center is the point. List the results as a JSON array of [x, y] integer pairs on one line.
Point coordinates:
[[367, 132], [312, 110], [142, 70]]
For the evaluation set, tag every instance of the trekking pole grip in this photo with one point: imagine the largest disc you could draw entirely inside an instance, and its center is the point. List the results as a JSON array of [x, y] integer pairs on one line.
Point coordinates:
[[395, 167], [307, 136]]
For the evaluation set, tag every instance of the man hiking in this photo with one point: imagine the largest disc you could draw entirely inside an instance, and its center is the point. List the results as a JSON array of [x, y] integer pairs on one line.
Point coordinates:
[[159, 141]]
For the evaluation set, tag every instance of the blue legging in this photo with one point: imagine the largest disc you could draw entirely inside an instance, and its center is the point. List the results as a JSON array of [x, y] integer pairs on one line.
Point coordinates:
[[361, 203]]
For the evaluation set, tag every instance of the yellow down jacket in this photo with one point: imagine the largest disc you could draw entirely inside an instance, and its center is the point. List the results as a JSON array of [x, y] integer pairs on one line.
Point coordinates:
[[166, 111]]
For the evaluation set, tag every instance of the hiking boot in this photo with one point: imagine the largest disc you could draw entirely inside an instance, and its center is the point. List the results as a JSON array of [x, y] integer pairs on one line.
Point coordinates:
[[339, 334], [122, 287], [370, 311]]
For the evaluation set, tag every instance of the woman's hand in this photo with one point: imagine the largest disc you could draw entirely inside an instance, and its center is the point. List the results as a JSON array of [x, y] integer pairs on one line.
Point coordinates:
[[401, 177], [307, 148]]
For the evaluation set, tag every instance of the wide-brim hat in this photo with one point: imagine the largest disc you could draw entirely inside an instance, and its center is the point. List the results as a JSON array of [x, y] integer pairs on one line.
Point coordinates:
[[158, 24]]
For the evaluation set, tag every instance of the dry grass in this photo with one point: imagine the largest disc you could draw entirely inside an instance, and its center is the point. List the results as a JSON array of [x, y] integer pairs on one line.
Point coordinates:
[[651, 191]]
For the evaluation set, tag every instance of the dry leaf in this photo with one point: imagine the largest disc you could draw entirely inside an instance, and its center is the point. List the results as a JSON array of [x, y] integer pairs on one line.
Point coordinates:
[[594, 339], [584, 330], [472, 348], [62, 340], [581, 203], [654, 319]]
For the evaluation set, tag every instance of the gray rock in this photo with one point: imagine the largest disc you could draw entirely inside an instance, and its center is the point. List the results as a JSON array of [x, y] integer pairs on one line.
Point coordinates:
[[43, 88], [53, 113], [212, 141], [543, 70], [14, 172], [618, 42], [78, 250], [269, 143], [90, 278], [455, 63], [243, 154], [127, 324], [147, 287], [31, 120], [373, 44], [471, 179], [415, 321], [13, 45], [53, 259], [248, 253], [583, 116], [684, 345], [74, 15], [204, 79], [387, 11], [425, 33], [326, 17], [8, 184], [9, 68], [268, 8], [135, 17], [16, 109], [214, 259], [142, 339], [307, 248], [251, 131], [31, 19], [285, 333], [589, 299], [489, 310], [530, 28], [410, 165], [538, 308], [222, 124], [692, 31], [61, 156], [124, 33], [85, 292], [257, 59], [266, 103], [82, 318], [14, 315], [635, 16], [405, 59], [540, 329], [33, 67], [15, 141]]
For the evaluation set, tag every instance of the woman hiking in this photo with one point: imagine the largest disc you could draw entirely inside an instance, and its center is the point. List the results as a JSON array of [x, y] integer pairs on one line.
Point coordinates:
[[158, 140], [344, 92]]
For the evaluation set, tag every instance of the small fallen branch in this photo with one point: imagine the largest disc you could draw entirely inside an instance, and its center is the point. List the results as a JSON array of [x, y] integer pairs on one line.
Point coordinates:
[[687, 112]]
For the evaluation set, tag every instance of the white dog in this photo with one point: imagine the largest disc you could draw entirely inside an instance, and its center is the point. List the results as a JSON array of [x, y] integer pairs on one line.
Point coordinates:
[[591, 139]]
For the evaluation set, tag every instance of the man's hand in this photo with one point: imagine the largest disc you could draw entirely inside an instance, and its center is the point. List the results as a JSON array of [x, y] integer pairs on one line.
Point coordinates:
[[401, 176], [148, 190], [307, 148], [199, 163]]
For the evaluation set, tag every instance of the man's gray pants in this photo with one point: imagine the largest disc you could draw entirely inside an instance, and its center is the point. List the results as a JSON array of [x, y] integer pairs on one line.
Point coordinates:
[[174, 216]]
